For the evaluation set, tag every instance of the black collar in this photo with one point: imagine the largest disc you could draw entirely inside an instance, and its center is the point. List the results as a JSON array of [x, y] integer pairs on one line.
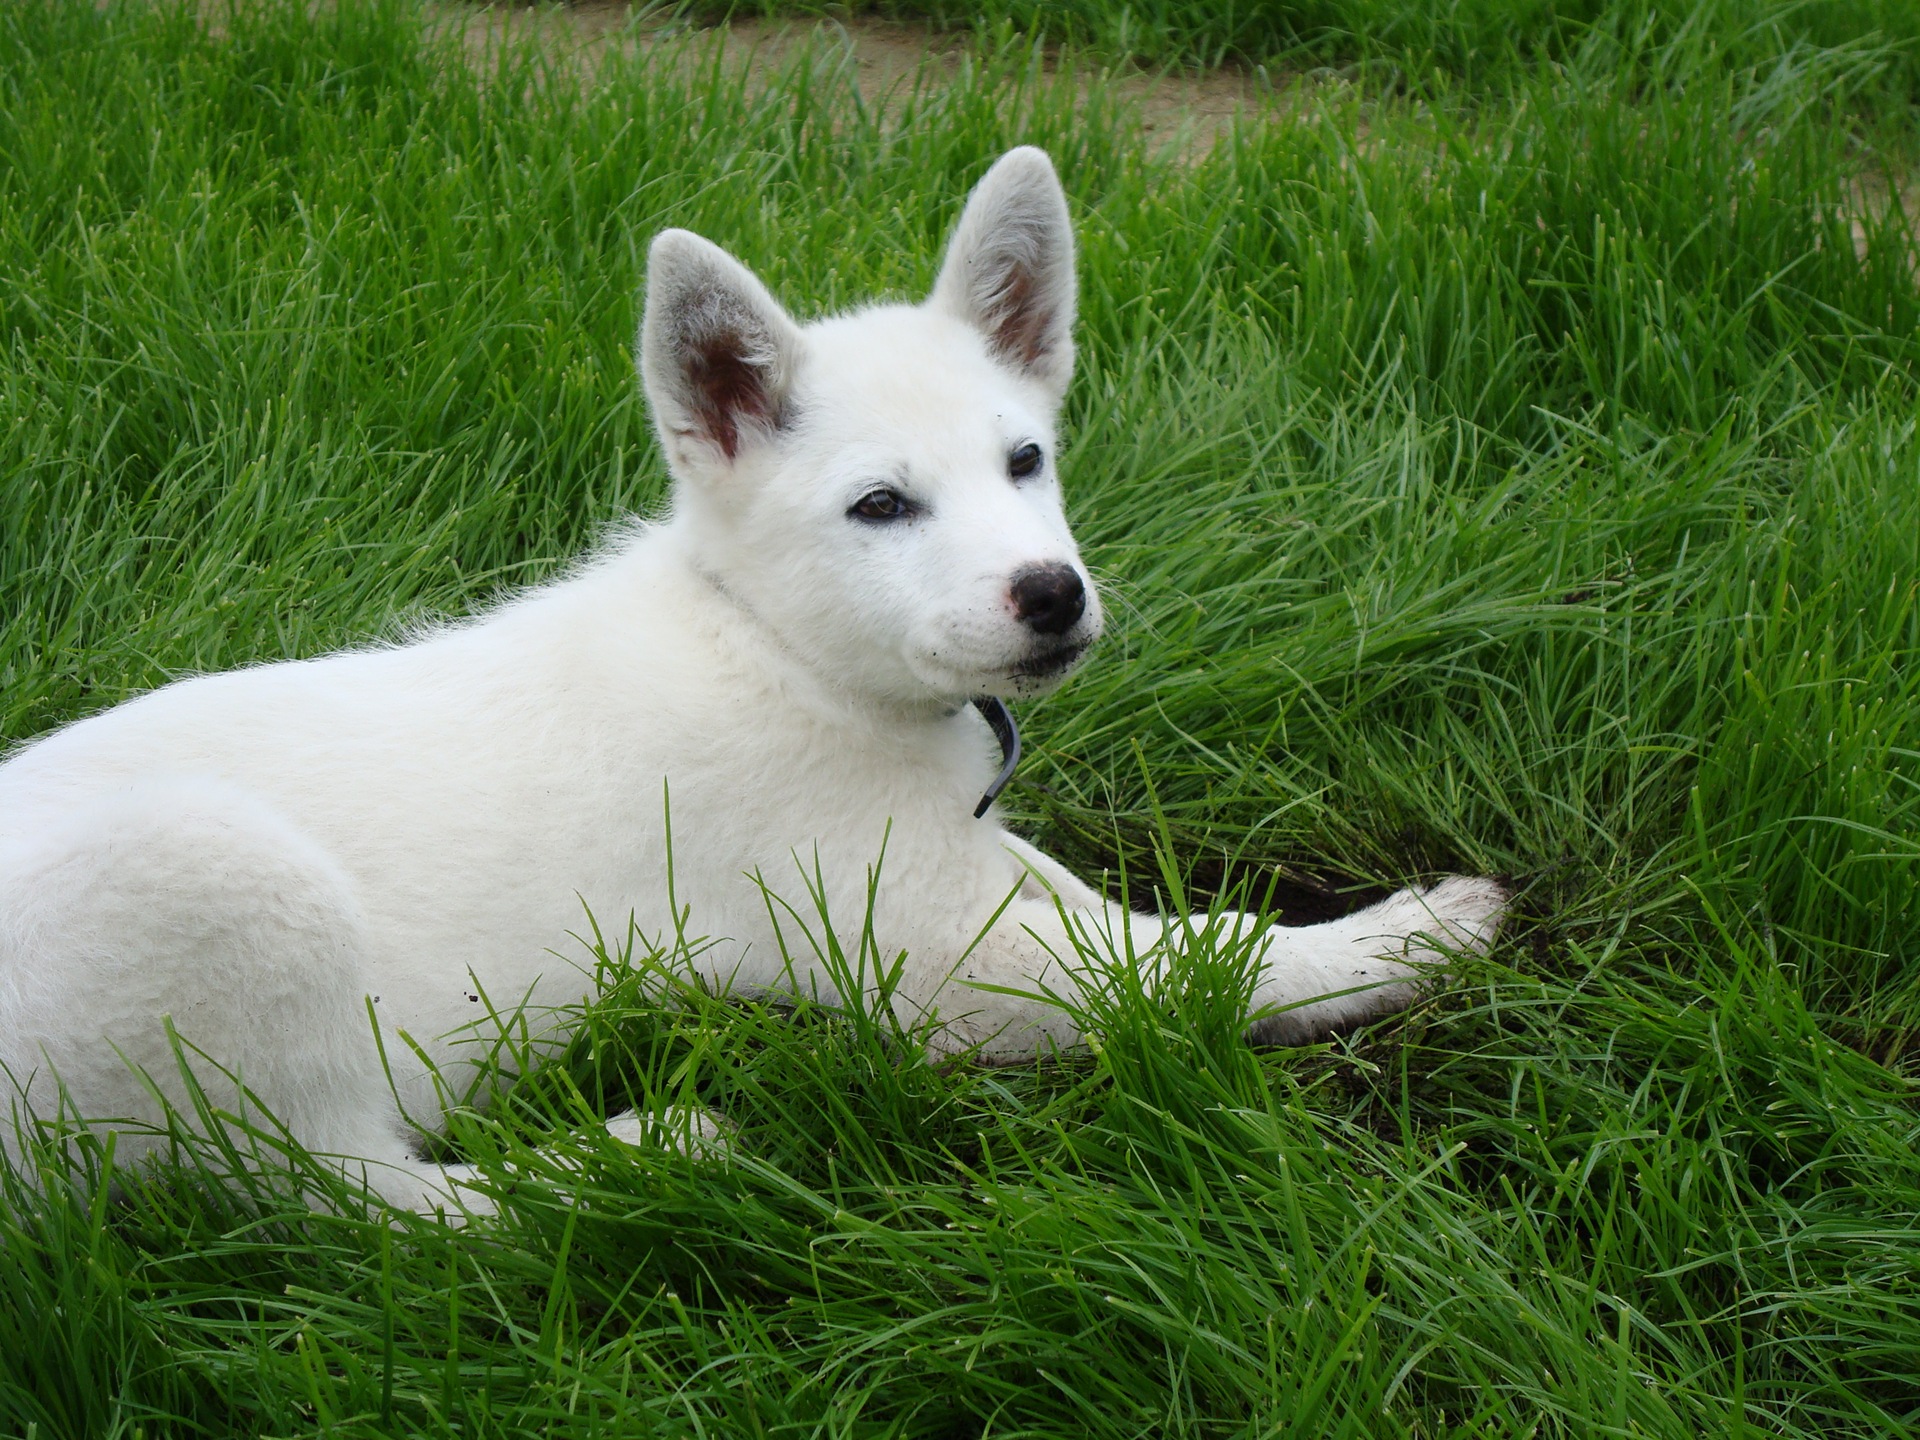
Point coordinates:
[[1008, 734]]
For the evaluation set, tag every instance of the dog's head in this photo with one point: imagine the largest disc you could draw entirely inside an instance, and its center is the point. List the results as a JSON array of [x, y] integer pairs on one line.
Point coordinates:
[[881, 489]]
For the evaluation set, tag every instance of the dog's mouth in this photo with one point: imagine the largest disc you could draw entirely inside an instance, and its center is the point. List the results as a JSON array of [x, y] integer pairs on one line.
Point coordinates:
[[1043, 665], [1050, 664]]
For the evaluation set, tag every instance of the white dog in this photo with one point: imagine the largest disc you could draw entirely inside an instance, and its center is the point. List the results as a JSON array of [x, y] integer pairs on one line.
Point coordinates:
[[866, 534]]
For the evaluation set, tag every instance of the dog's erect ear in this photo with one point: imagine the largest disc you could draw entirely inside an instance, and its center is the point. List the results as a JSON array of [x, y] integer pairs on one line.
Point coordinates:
[[1009, 268], [717, 353]]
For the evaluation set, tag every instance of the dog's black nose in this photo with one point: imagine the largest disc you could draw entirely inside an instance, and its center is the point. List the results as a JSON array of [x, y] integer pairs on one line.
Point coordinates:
[[1049, 598]]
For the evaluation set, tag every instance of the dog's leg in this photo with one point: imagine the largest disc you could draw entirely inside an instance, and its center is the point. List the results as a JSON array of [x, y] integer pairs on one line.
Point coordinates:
[[1312, 980], [1048, 878], [193, 902], [691, 1130], [1318, 978]]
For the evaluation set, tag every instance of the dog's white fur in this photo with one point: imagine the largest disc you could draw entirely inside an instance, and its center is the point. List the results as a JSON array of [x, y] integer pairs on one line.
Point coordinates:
[[256, 854]]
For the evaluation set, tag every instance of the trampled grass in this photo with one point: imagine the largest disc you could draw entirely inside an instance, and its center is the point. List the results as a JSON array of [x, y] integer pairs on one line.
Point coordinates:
[[1519, 479]]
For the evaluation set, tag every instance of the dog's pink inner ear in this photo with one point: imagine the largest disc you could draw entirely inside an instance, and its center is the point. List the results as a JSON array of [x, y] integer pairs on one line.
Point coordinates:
[[728, 383], [1009, 269], [1020, 326]]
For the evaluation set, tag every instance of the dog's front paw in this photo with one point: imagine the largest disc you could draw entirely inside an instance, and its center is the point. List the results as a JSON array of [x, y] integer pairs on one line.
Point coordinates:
[[1460, 913], [1320, 979]]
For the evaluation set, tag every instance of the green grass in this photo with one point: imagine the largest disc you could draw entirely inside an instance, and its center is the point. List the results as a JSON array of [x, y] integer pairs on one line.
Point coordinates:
[[1520, 479], [1405, 38]]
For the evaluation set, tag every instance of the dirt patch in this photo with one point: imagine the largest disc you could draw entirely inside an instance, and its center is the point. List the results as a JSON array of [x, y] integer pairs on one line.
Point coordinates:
[[1874, 195], [1188, 112]]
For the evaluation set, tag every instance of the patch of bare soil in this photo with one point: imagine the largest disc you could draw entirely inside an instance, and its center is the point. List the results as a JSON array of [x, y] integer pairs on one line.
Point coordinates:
[[887, 58], [1186, 112], [1874, 195]]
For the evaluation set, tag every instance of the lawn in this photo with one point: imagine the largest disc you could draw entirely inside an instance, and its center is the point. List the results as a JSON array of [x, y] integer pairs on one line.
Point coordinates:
[[1504, 459]]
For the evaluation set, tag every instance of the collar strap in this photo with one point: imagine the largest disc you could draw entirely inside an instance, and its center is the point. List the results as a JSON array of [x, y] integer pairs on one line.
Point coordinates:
[[1000, 718]]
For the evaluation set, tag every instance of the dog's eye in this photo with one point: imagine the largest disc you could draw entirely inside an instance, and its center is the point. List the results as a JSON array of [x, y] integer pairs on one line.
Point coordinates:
[[882, 505], [1024, 463]]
